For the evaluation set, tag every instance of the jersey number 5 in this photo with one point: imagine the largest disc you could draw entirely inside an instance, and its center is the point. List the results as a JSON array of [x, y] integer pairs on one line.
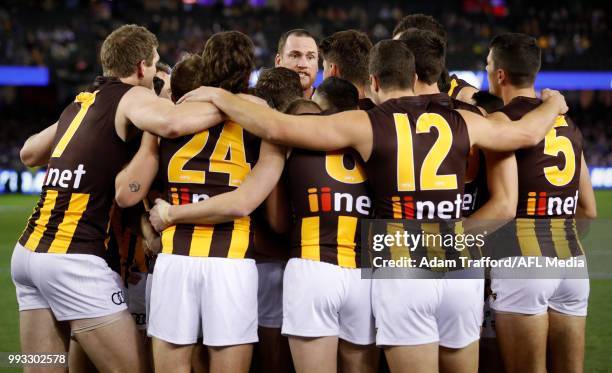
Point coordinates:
[[553, 145]]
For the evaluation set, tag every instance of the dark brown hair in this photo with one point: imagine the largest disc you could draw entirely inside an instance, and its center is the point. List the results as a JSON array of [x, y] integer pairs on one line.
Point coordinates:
[[422, 22], [518, 55], [228, 59], [392, 62], [278, 86], [124, 48], [349, 50], [186, 76], [303, 106], [429, 53], [339, 94]]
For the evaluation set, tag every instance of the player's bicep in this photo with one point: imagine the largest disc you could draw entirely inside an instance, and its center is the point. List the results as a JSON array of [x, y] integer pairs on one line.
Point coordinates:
[[37, 149], [587, 205], [145, 110], [502, 178]]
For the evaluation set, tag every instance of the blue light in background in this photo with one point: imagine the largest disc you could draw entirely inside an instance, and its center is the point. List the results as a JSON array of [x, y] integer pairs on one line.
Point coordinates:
[[24, 76]]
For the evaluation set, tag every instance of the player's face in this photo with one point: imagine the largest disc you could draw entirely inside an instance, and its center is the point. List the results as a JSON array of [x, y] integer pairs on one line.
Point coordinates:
[[149, 72], [301, 55], [492, 76], [165, 91]]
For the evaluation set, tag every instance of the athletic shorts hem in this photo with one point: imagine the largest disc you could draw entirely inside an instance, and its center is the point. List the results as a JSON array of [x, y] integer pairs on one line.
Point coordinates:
[[173, 340], [568, 313], [357, 341], [387, 342], [89, 315], [458, 345], [519, 310], [230, 342], [34, 307], [289, 332]]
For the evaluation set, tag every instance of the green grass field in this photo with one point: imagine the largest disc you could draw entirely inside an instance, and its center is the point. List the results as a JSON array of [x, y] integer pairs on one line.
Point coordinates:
[[15, 209]]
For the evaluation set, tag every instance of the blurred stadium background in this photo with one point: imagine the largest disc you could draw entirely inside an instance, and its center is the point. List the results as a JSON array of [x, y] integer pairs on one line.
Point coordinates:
[[49, 52]]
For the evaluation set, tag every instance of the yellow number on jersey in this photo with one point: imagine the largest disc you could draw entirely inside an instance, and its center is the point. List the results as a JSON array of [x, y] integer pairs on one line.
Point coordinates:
[[553, 145], [429, 178], [334, 165], [86, 99], [405, 156], [176, 167], [230, 141]]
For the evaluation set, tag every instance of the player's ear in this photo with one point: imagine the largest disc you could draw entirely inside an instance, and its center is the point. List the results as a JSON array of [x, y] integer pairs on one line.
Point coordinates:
[[140, 69], [373, 83], [416, 77], [501, 76], [334, 70], [277, 60]]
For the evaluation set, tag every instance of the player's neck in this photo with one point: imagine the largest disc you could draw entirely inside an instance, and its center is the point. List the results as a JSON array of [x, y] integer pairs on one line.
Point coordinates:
[[361, 91], [395, 93], [422, 88], [132, 80], [308, 93], [510, 93]]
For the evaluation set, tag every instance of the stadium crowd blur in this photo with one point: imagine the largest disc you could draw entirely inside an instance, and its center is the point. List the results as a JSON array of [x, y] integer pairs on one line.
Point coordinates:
[[66, 36]]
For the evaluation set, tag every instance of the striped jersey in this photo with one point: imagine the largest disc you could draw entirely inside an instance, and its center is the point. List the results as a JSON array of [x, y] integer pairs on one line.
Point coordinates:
[[328, 197], [72, 215], [548, 175], [196, 167]]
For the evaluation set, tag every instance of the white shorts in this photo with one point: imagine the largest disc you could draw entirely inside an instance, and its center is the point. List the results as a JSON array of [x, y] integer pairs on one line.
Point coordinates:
[[270, 294], [414, 311], [212, 297], [148, 286], [322, 299], [136, 301], [74, 286], [532, 296]]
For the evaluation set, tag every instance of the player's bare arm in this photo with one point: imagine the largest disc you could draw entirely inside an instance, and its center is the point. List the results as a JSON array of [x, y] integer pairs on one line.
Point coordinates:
[[152, 241], [278, 212], [587, 207], [502, 183], [151, 113], [499, 135], [133, 182], [228, 206], [36, 151], [349, 129]]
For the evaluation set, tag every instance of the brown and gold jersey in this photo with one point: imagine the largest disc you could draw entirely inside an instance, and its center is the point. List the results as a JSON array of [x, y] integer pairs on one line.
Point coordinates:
[[456, 85], [549, 174], [418, 160], [328, 197], [72, 215], [200, 166]]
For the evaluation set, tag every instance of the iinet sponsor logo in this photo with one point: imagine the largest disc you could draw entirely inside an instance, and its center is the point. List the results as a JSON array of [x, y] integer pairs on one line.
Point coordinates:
[[182, 196], [65, 178], [540, 204], [408, 208], [324, 200]]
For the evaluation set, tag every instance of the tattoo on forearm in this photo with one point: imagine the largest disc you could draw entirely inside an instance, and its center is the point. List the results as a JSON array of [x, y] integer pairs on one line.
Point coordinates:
[[134, 187]]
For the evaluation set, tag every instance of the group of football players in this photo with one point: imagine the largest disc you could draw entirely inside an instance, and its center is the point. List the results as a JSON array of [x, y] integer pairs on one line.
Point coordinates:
[[187, 218]]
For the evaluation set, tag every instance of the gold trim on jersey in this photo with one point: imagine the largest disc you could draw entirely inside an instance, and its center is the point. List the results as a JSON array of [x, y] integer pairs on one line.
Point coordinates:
[[347, 227], [167, 239], [310, 238], [40, 225], [72, 216], [201, 239], [529, 236], [86, 99], [241, 234], [453, 84]]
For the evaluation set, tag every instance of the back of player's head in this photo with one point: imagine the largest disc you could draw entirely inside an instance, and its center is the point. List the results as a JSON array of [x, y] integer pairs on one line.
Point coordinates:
[[278, 86], [518, 55], [488, 101], [392, 62], [302, 106], [335, 95], [348, 50], [295, 32], [186, 76], [162, 67], [158, 83], [422, 22], [228, 59], [124, 48], [429, 53]]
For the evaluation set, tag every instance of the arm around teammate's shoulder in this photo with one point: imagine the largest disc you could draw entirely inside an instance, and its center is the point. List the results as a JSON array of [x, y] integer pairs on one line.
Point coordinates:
[[36, 151], [163, 118], [500, 135]]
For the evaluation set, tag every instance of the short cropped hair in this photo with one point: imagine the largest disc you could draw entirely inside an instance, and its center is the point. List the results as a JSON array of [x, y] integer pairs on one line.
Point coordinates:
[[518, 55], [124, 48], [278, 86], [186, 76], [392, 62], [429, 53], [295, 32], [339, 94], [422, 22], [302, 106], [349, 50]]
